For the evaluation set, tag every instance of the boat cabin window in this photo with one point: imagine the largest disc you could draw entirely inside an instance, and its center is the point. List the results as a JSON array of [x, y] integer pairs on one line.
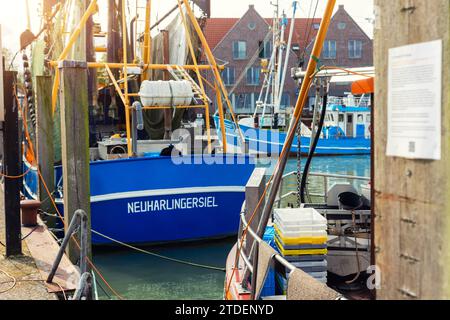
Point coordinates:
[[341, 117], [360, 118], [368, 119]]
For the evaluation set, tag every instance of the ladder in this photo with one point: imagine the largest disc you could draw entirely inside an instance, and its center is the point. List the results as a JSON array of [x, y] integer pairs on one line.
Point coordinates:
[[139, 32], [180, 74]]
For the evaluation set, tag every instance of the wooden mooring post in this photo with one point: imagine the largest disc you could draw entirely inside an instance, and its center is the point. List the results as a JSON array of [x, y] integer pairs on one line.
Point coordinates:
[[12, 166], [44, 140], [412, 223], [75, 145]]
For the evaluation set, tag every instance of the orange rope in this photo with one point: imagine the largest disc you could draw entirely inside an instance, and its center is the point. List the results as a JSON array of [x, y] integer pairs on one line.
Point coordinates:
[[32, 154], [15, 177], [74, 239]]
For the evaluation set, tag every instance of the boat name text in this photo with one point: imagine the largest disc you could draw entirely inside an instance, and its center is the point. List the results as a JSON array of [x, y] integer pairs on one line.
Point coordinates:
[[172, 204]]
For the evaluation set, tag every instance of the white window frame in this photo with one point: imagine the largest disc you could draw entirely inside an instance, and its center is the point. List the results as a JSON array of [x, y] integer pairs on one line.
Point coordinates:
[[354, 51], [241, 53]]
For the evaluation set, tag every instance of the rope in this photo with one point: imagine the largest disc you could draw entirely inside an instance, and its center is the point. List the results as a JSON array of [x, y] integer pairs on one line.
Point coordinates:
[[13, 280], [91, 264], [54, 203], [188, 263], [30, 280], [15, 177]]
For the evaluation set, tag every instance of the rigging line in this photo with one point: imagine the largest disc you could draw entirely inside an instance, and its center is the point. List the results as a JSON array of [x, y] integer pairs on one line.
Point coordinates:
[[188, 263], [308, 21], [308, 37]]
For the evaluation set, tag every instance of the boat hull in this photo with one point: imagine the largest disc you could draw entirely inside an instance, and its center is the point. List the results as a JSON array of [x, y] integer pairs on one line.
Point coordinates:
[[261, 142], [154, 200]]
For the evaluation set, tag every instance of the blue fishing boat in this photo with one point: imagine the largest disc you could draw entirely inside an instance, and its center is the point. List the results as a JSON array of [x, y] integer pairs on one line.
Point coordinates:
[[146, 190], [346, 131], [154, 200]]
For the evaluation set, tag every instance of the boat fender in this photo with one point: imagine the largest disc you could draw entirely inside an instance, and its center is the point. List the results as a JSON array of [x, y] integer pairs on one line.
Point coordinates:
[[139, 116], [169, 151]]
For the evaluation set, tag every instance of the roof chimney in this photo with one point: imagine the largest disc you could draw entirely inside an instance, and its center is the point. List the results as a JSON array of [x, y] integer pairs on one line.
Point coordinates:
[[341, 7], [251, 6]]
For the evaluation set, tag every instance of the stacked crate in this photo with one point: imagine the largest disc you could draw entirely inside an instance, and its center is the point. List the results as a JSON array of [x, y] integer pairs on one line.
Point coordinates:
[[301, 237]]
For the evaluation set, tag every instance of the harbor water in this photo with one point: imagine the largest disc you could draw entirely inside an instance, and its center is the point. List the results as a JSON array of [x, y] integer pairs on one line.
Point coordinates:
[[138, 276]]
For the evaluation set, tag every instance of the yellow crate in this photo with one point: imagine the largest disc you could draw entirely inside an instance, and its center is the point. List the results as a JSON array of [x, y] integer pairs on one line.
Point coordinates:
[[300, 252], [302, 240]]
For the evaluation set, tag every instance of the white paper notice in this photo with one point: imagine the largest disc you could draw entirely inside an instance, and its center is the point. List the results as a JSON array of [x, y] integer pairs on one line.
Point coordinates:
[[414, 101]]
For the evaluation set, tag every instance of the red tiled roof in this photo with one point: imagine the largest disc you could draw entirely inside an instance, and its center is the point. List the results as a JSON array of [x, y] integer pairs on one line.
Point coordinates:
[[217, 28]]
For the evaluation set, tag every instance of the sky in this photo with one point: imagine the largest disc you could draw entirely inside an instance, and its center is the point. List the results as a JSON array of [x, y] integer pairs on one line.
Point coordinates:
[[13, 17]]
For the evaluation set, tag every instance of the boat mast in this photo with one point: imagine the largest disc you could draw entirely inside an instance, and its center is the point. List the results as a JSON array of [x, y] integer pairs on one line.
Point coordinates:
[[281, 165], [288, 52], [278, 84]]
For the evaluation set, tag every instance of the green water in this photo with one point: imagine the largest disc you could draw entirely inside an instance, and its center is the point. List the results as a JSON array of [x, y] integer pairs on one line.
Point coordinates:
[[142, 277]]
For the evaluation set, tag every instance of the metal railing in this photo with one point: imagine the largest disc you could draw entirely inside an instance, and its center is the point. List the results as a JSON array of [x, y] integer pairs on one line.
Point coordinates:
[[84, 288], [248, 258], [248, 249], [352, 102], [326, 177]]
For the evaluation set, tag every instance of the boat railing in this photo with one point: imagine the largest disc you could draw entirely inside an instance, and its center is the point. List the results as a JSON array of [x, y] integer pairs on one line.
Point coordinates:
[[326, 178], [354, 102], [250, 240], [249, 258]]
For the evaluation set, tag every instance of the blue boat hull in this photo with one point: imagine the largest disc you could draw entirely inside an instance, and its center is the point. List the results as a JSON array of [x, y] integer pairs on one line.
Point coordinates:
[[154, 200], [263, 141]]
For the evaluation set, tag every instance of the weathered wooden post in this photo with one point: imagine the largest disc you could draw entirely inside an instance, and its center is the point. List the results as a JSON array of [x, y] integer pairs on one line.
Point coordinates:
[[75, 144], [44, 139], [412, 229], [12, 165]]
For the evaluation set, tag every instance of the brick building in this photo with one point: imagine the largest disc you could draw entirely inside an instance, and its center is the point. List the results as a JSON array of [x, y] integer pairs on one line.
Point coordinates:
[[235, 42]]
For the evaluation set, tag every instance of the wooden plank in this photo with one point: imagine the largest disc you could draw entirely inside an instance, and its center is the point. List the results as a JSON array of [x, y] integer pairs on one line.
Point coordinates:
[[253, 193], [44, 137], [75, 144], [412, 229], [44, 249]]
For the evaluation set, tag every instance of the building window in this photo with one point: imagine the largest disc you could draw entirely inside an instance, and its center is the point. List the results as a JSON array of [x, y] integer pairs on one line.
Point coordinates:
[[354, 49], [316, 26], [253, 76], [329, 49], [265, 49], [342, 25], [252, 26], [285, 101], [244, 101], [239, 50], [228, 76]]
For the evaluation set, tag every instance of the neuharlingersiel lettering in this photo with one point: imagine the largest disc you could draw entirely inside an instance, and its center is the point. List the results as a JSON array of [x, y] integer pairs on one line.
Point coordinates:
[[171, 204]]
